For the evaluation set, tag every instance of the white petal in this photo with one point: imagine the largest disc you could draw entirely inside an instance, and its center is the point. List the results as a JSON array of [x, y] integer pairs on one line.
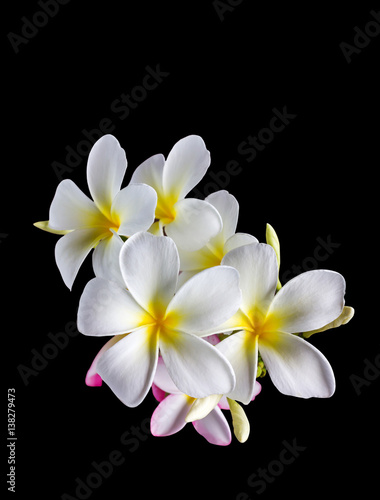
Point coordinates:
[[128, 367], [206, 300], [106, 167], [346, 316], [257, 266], [202, 407], [150, 172], [162, 379], [309, 301], [133, 207], [214, 428], [240, 349], [72, 249], [72, 209], [105, 259], [107, 309], [169, 416], [238, 240], [185, 166], [296, 367], [196, 221], [150, 267], [228, 208], [195, 366]]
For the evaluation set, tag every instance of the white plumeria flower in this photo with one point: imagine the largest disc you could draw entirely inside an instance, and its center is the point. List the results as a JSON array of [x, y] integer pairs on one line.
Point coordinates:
[[188, 221], [213, 252], [267, 322], [88, 224], [159, 318]]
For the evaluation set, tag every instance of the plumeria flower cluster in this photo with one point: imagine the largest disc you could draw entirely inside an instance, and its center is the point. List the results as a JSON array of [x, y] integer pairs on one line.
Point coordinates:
[[194, 311]]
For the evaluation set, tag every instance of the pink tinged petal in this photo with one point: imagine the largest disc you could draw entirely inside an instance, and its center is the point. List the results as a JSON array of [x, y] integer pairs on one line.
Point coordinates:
[[93, 379], [241, 350], [185, 166], [106, 167], [169, 416], [257, 266], [296, 367], [309, 301], [150, 267], [223, 403], [238, 240], [129, 366], [162, 379], [72, 209], [228, 208], [72, 249], [195, 366], [195, 223], [257, 390], [105, 259], [133, 208], [107, 309], [150, 172], [158, 393], [206, 300], [214, 428]]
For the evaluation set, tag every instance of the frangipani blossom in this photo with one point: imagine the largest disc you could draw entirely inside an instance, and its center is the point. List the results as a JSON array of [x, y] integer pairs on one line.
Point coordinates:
[[157, 317], [213, 252], [87, 224], [267, 322], [172, 414], [188, 221]]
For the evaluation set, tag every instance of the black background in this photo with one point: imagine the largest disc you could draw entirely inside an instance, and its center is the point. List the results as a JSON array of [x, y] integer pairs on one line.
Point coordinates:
[[315, 179]]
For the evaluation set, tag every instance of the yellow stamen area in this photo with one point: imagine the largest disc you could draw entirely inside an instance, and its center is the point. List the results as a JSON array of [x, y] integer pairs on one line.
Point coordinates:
[[165, 209], [259, 324]]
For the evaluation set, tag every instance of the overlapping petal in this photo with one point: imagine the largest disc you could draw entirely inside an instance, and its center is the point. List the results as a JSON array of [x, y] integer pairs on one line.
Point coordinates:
[[195, 366], [309, 301], [72, 209], [150, 172], [107, 309], [150, 266], [169, 416], [93, 379], [241, 350], [133, 209], [128, 367], [195, 222], [71, 250], [206, 300], [105, 259], [296, 367], [214, 428], [257, 266]]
